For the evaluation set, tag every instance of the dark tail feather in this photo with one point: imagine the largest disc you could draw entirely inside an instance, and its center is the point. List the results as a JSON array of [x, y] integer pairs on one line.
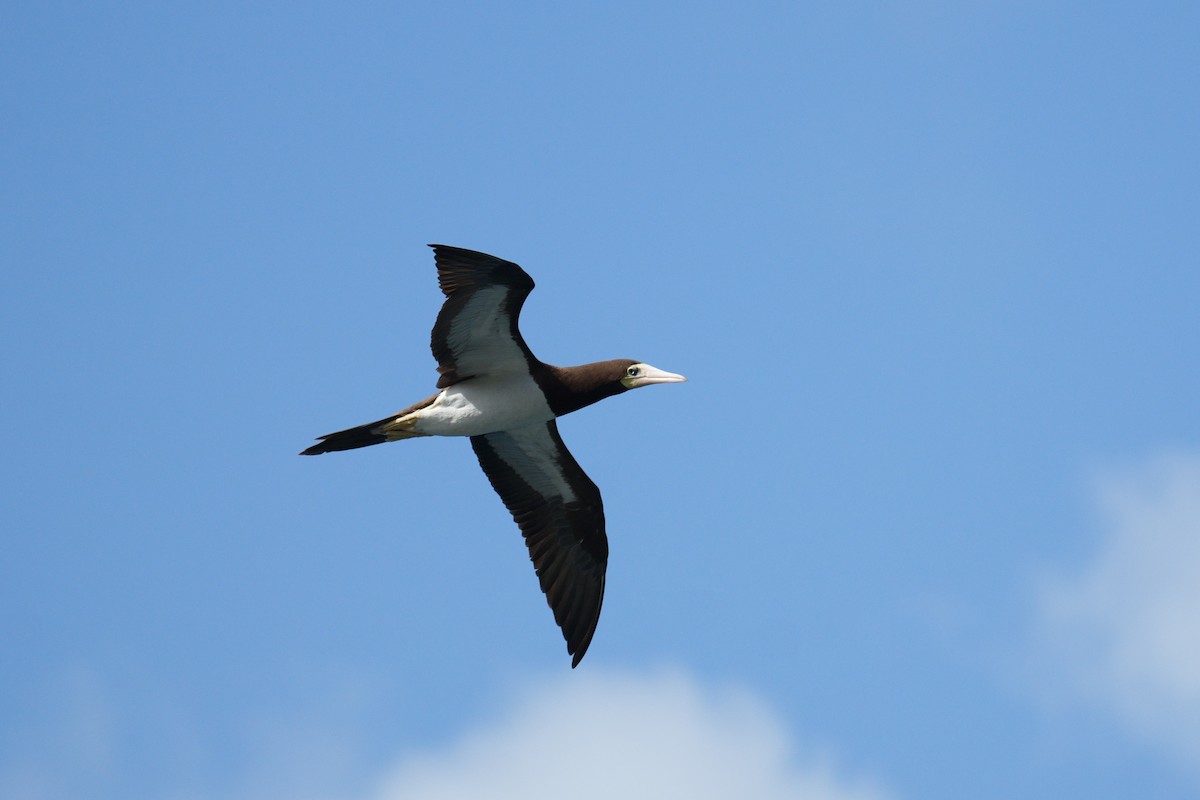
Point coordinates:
[[350, 439], [371, 433]]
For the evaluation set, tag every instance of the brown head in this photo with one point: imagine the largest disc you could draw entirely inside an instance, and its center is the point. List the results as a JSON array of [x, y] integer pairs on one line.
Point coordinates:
[[572, 388]]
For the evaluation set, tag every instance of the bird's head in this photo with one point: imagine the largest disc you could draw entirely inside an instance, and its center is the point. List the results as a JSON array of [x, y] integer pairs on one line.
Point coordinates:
[[591, 383], [638, 374]]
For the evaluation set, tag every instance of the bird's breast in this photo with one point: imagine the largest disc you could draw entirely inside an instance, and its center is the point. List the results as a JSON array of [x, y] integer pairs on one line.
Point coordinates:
[[484, 405]]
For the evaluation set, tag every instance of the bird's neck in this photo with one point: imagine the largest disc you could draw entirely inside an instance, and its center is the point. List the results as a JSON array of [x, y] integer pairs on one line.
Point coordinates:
[[569, 389]]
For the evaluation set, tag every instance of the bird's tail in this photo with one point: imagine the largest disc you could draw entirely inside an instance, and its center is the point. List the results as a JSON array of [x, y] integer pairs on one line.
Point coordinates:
[[351, 438], [388, 429]]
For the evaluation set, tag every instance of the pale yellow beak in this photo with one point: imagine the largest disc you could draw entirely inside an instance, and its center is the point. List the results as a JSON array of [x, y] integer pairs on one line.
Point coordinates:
[[648, 375]]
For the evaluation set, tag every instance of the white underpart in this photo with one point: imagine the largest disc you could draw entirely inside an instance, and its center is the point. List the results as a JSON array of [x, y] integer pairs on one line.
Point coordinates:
[[484, 405], [481, 337], [534, 454]]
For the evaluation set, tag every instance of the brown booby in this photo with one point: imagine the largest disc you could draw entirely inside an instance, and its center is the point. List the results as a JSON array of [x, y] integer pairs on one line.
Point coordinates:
[[495, 391]]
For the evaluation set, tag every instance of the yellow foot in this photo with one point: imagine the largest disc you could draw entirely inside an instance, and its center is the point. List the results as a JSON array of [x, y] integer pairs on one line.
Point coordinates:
[[400, 428]]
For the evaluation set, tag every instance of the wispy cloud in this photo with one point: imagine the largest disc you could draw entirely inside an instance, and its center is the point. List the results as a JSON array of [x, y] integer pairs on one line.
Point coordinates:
[[1127, 625], [582, 735], [630, 736], [71, 749]]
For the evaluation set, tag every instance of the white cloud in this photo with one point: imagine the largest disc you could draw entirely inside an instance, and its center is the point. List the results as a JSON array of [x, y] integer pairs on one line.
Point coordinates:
[[581, 735], [1128, 624], [605, 736]]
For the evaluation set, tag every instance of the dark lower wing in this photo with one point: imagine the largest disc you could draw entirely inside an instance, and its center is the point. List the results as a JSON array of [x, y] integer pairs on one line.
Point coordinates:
[[560, 513]]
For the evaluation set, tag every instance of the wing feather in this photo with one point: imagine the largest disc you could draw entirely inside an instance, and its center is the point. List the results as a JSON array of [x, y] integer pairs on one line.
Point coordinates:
[[561, 516], [476, 331]]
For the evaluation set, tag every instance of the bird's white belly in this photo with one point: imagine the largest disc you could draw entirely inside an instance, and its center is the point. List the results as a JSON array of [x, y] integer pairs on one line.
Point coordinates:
[[484, 405]]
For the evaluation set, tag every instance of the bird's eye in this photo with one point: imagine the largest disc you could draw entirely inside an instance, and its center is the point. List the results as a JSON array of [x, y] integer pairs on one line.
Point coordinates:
[[633, 372]]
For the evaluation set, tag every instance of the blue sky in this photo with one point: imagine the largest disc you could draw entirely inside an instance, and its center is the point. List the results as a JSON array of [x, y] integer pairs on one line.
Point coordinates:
[[924, 523]]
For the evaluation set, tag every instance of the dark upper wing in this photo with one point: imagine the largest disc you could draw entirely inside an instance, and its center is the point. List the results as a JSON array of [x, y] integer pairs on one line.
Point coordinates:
[[476, 330], [559, 511]]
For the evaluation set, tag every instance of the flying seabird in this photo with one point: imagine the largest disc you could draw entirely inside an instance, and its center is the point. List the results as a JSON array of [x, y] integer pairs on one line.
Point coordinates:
[[494, 390]]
